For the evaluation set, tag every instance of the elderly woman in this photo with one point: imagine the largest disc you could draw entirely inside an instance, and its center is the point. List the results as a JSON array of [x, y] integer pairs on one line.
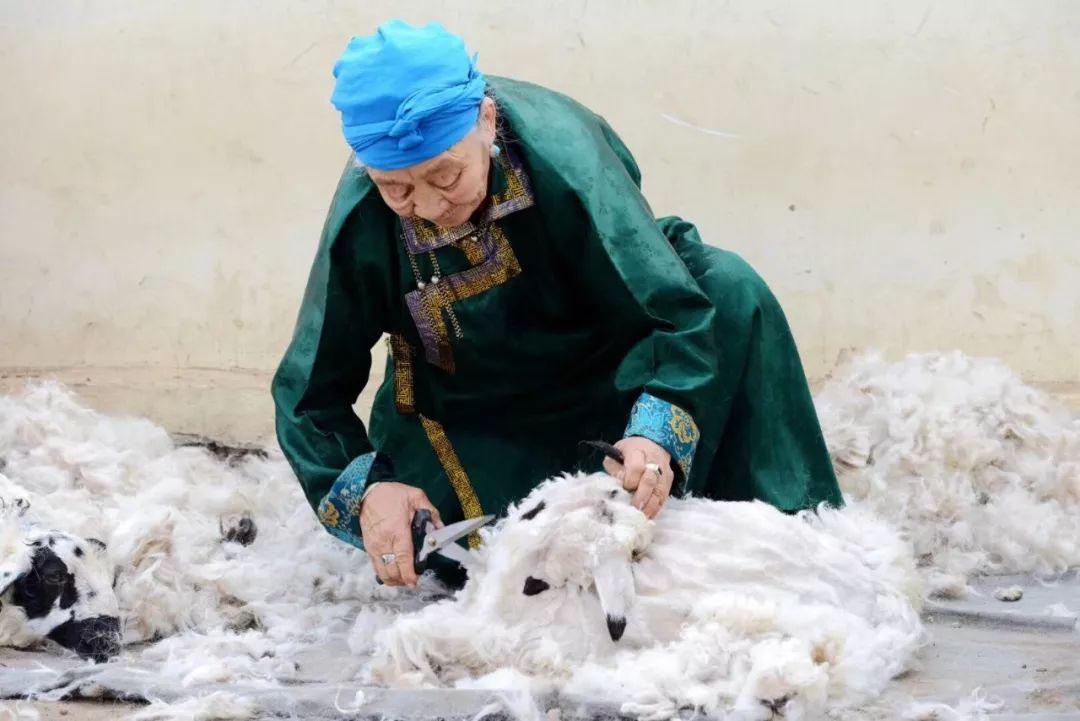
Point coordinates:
[[497, 233]]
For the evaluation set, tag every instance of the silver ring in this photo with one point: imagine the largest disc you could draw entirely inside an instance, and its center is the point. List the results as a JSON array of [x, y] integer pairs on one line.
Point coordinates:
[[653, 467], [388, 558]]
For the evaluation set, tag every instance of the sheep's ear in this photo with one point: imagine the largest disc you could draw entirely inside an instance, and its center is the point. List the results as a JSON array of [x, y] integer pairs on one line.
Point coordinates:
[[534, 586]]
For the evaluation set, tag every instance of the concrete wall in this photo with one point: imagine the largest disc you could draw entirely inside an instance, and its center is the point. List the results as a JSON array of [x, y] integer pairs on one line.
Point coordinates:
[[906, 175]]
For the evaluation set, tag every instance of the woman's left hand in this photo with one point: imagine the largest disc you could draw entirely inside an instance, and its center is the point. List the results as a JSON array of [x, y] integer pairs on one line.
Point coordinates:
[[646, 472]]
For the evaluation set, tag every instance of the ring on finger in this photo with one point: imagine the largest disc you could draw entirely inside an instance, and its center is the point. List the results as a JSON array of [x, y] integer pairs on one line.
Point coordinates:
[[388, 558], [654, 467]]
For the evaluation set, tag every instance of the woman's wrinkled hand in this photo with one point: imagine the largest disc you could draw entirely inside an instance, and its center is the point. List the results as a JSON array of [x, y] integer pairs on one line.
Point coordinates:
[[646, 472], [386, 525]]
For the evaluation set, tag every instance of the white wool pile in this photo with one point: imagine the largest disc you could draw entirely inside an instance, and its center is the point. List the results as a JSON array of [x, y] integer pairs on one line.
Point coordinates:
[[219, 706], [19, 711], [518, 704], [981, 471], [974, 708], [227, 612], [729, 608]]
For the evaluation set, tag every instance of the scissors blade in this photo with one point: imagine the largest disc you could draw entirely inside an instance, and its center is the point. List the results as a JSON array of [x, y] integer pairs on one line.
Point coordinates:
[[456, 553], [439, 537]]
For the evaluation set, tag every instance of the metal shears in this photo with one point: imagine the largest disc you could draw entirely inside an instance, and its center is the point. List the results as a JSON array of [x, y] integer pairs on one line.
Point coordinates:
[[427, 539]]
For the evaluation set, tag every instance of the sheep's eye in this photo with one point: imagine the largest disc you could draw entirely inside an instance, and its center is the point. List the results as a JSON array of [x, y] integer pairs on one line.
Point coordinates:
[[100, 545], [534, 586], [529, 515]]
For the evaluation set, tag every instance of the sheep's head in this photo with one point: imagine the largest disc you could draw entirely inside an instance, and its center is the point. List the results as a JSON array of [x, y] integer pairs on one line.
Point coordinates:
[[58, 586], [573, 534]]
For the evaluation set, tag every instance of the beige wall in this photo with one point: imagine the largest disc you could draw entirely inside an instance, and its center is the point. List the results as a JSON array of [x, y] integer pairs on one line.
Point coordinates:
[[906, 175]]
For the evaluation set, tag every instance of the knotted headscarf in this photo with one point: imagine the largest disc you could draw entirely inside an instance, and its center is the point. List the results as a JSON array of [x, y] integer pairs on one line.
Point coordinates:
[[406, 94]]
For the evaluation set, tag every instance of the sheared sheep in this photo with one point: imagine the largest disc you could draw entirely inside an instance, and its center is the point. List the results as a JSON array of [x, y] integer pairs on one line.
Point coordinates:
[[723, 607]]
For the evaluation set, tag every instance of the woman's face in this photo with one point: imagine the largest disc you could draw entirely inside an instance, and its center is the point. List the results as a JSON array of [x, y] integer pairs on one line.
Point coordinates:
[[447, 189]]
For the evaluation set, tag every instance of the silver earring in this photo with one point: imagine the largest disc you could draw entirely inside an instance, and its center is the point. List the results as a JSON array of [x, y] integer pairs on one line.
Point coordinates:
[[496, 151]]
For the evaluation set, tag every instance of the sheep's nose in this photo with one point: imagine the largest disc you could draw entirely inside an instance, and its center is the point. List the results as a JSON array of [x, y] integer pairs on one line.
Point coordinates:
[[616, 626], [96, 638]]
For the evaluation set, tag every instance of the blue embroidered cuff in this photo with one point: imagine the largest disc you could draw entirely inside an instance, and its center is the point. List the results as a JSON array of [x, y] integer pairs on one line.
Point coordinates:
[[339, 511], [668, 426]]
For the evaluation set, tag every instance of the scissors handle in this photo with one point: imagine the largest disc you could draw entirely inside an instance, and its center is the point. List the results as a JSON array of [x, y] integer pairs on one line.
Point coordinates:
[[420, 521]]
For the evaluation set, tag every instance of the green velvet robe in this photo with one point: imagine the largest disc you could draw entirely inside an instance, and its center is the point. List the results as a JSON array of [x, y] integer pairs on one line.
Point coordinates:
[[567, 312]]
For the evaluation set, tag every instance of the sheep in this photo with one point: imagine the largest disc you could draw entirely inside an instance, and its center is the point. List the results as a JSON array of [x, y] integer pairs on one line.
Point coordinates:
[[56, 586], [723, 607]]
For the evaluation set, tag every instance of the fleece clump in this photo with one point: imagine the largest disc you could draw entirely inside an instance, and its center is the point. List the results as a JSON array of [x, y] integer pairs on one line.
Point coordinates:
[[980, 471], [200, 607]]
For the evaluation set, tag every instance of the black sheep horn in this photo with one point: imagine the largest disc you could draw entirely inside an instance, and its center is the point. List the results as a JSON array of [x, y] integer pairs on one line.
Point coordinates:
[[607, 449]]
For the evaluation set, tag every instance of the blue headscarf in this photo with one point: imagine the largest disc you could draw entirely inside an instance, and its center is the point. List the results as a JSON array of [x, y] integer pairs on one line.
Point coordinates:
[[406, 94]]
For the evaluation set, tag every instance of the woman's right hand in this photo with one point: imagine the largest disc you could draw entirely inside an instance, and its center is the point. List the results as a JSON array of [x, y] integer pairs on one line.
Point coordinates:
[[386, 524]]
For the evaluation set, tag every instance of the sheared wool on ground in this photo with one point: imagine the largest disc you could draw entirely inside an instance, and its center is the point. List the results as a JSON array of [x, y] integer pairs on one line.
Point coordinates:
[[981, 471], [955, 451], [226, 612], [219, 706], [18, 711], [973, 708]]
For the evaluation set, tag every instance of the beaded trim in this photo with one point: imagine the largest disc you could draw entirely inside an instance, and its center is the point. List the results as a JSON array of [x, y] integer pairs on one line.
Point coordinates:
[[459, 479], [428, 303], [404, 392]]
